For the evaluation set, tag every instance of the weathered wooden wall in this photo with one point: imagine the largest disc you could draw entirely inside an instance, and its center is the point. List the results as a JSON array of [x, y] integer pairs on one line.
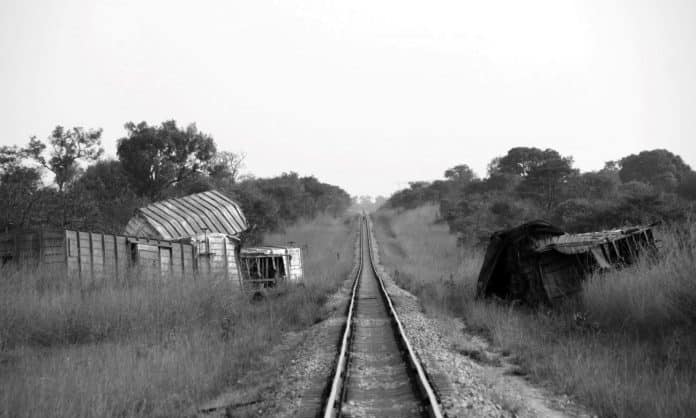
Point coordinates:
[[93, 257], [26, 248], [295, 263]]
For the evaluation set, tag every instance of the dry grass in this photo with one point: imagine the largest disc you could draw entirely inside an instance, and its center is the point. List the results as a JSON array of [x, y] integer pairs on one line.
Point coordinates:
[[631, 357], [424, 258], [150, 349]]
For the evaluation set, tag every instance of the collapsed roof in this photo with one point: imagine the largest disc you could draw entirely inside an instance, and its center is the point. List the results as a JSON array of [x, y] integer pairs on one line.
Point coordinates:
[[539, 263]]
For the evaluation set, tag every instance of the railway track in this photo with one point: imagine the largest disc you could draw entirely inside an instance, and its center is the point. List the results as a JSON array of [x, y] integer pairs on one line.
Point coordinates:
[[377, 373]]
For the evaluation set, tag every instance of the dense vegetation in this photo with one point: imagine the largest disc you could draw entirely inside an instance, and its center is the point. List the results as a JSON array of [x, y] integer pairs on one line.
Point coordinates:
[[530, 183], [154, 162]]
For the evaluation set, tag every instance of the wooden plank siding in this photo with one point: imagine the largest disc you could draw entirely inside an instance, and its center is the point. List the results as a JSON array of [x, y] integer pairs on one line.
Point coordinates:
[[92, 258]]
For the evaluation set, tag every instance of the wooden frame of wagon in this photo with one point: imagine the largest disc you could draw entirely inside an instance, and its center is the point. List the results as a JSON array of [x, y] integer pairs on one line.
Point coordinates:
[[264, 266]]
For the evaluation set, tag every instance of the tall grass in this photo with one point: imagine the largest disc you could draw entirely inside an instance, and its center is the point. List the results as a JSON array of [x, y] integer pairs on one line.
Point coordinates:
[[424, 258], [625, 351], [151, 348]]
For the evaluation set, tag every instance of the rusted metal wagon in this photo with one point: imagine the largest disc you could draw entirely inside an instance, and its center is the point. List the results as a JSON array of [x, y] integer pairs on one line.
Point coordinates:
[[538, 263], [268, 265]]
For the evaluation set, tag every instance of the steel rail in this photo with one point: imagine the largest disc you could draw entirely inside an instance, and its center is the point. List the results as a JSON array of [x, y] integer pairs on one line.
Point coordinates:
[[424, 385], [333, 403], [333, 400]]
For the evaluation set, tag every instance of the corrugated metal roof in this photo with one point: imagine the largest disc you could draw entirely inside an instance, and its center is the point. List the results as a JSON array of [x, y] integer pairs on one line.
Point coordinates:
[[190, 215], [580, 243]]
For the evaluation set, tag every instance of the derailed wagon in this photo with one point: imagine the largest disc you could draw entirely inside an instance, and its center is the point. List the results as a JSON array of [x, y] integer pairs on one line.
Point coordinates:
[[268, 265], [539, 263]]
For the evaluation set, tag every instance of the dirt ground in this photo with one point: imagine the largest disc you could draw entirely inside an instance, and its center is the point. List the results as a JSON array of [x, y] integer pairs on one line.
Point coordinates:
[[472, 380]]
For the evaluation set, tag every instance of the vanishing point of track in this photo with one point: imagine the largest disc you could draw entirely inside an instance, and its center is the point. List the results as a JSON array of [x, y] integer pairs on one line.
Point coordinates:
[[377, 373]]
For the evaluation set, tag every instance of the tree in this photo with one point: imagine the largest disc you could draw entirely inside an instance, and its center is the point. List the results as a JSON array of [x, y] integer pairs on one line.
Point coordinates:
[[104, 198], [157, 157], [658, 167], [225, 166], [521, 160], [460, 174], [10, 156], [687, 188], [68, 147], [546, 180], [18, 194], [593, 185]]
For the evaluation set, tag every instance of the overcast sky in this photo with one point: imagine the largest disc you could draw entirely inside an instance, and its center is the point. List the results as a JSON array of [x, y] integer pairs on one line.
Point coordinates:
[[367, 95]]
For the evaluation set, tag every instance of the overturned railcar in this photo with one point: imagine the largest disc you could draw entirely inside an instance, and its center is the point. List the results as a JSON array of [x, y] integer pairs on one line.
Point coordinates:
[[538, 263], [269, 265]]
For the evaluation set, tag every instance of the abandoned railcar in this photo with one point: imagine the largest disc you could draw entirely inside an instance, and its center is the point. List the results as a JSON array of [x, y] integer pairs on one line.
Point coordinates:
[[194, 235], [539, 263], [92, 257], [266, 266], [210, 221]]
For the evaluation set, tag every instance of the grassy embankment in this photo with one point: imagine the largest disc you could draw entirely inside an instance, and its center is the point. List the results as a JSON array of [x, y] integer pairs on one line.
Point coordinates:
[[631, 357], [151, 349]]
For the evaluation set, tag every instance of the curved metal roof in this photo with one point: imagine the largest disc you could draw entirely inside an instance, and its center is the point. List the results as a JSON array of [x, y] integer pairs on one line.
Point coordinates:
[[190, 215]]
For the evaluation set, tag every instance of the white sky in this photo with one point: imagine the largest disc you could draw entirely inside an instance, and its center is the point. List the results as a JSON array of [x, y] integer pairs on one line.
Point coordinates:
[[367, 95]]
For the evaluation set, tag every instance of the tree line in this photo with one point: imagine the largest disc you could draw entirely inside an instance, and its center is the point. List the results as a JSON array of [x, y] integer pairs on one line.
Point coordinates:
[[529, 183], [154, 162]]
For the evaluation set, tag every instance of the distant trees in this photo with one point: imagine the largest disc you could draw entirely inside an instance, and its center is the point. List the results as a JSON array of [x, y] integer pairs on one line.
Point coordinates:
[[154, 162], [272, 203], [659, 168], [461, 174], [530, 183]]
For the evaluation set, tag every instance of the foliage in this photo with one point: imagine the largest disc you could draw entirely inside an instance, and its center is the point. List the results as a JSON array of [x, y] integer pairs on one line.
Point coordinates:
[[272, 203], [157, 157], [104, 198], [18, 194], [68, 147], [529, 183], [154, 162], [659, 168]]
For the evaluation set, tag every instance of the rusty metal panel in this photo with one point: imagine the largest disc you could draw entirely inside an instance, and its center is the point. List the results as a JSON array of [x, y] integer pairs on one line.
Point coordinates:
[[188, 216]]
